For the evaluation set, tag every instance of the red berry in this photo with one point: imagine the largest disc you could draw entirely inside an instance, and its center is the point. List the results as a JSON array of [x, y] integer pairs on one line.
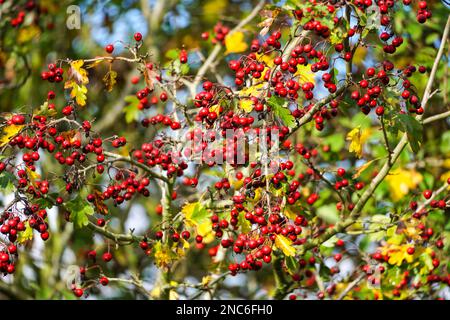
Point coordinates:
[[78, 292], [107, 256], [138, 36], [427, 194], [109, 48], [104, 281]]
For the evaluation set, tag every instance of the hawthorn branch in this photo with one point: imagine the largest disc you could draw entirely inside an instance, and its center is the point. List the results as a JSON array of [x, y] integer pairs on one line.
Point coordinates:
[[342, 225], [137, 164], [433, 196], [119, 238], [213, 56], [351, 285], [135, 281], [404, 140], [436, 117]]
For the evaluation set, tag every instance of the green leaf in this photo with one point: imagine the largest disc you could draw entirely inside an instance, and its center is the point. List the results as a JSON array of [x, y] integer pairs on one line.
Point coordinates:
[[195, 213], [173, 54], [328, 213], [245, 225], [291, 264], [79, 211], [45, 202], [330, 243], [335, 141], [278, 106], [7, 182], [131, 110], [413, 129]]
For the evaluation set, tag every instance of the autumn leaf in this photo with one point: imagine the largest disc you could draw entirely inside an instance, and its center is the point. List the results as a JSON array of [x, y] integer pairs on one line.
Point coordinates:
[[163, 255], [256, 90], [215, 108], [77, 73], [110, 80], [401, 181], [71, 135], [149, 78], [78, 92], [25, 34], [99, 204], [25, 235], [246, 105], [357, 139], [304, 74], [197, 217], [234, 42], [8, 133], [33, 176], [397, 254], [285, 245], [362, 168], [269, 16]]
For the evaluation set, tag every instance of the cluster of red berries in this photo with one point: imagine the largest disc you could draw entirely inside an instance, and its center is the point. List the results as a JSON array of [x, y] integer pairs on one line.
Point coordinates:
[[183, 56], [220, 32], [53, 74], [249, 67], [126, 187], [161, 119], [153, 154], [395, 43], [315, 22], [423, 13]]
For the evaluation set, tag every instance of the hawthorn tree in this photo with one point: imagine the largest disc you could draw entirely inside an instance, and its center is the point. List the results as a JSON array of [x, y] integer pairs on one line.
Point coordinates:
[[300, 152]]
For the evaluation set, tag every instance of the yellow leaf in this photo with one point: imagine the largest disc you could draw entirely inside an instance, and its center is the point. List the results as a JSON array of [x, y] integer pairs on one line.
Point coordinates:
[[445, 176], [289, 213], [304, 74], [8, 133], [215, 108], [234, 42], [77, 73], [256, 90], [33, 176], [25, 235], [257, 196], [266, 58], [25, 34], [197, 217], [213, 9], [163, 255], [357, 139], [285, 245], [156, 292], [110, 80], [401, 181], [359, 55], [78, 92], [206, 280], [185, 243], [246, 105], [93, 64]]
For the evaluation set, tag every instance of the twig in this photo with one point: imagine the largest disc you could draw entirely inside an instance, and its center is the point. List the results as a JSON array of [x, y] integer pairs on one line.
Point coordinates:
[[351, 285]]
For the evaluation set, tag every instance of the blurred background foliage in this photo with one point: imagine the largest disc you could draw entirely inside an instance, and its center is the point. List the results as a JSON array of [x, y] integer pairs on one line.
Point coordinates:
[[165, 25]]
